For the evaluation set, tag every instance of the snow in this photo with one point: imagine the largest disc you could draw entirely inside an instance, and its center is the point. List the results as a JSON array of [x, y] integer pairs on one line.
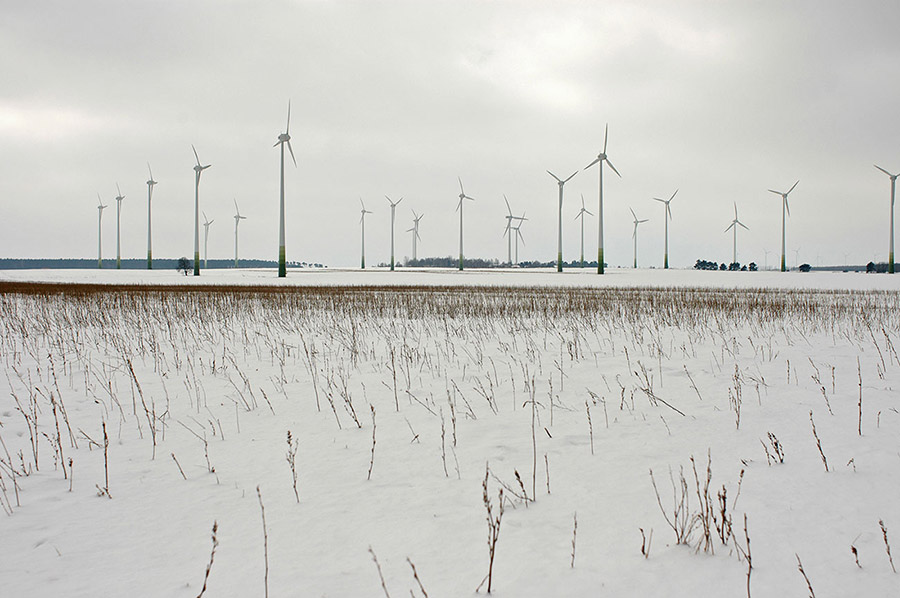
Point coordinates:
[[234, 369]]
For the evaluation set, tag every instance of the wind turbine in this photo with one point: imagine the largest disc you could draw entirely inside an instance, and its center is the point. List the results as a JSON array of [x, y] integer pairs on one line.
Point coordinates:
[[581, 214], [119, 199], [198, 169], [601, 158], [893, 187], [283, 139], [150, 184], [785, 210], [100, 208], [415, 232], [634, 234], [459, 208], [206, 224], [362, 222], [519, 234], [561, 183], [237, 220], [667, 215], [509, 227], [393, 207], [734, 224]]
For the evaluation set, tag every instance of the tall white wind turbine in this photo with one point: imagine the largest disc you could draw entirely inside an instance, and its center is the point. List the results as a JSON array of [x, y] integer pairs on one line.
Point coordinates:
[[561, 183], [785, 211], [601, 158], [206, 224], [733, 226], [634, 235], [237, 220], [362, 222], [283, 139], [100, 208], [198, 170], [667, 215], [459, 208], [581, 214], [150, 184], [893, 188], [393, 208], [415, 233], [119, 199]]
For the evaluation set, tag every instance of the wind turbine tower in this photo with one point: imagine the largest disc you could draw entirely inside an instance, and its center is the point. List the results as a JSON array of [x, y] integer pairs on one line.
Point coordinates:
[[415, 233], [459, 208], [100, 208], [507, 232], [561, 183], [519, 234], [667, 215], [634, 235], [362, 222], [393, 208], [893, 188], [601, 158], [785, 211], [733, 226], [237, 220], [283, 139], [150, 184], [119, 199], [581, 214], [198, 170], [206, 224]]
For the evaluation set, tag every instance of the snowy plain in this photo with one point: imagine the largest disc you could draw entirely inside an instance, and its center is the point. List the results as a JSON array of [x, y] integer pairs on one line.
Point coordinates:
[[569, 387]]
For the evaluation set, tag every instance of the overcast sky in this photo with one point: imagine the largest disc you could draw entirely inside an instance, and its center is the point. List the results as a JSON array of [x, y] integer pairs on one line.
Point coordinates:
[[720, 100]]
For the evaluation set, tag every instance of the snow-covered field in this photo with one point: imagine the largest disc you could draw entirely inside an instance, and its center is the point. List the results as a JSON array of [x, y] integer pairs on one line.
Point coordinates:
[[401, 391]]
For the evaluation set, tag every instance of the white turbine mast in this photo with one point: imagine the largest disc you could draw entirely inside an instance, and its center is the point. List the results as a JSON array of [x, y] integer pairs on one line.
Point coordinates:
[[459, 208], [580, 215], [415, 233], [733, 227], [667, 215], [362, 222], [119, 199], [559, 253], [785, 211], [634, 235], [100, 208], [237, 220], [150, 184], [601, 158], [893, 188], [283, 139], [393, 209], [206, 224], [198, 170]]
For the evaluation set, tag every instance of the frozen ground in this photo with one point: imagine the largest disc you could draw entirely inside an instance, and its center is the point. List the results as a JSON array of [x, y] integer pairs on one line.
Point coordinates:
[[581, 392]]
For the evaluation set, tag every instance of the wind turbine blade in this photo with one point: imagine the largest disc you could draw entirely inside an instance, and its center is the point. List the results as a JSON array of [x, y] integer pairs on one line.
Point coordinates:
[[518, 232], [461, 190], [287, 128], [290, 149], [570, 177], [794, 185], [658, 199], [882, 170], [775, 192], [582, 202], [459, 204], [744, 225], [735, 210], [362, 204], [605, 137], [588, 212], [236, 208], [669, 210], [730, 226], [119, 191], [195, 154], [787, 206], [554, 176], [673, 195], [592, 163], [613, 168], [151, 170], [508, 209]]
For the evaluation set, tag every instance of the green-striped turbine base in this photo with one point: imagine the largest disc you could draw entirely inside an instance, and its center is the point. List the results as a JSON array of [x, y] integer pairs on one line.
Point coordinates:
[[196, 263], [282, 265], [600, 261]]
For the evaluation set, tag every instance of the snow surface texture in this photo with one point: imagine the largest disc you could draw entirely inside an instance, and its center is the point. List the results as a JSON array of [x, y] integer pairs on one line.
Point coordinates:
[[581, 392]]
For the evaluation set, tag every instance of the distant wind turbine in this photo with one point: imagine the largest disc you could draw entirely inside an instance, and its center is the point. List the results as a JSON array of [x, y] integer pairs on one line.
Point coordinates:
[[635, 236], [283, 139], [150, 184], [100, 208], [733, 226], [507, 232], [459, 208], [601, 158], [893, 187], [667, 215], [198, 170], [581, 214], [785, 211], [119, 199], [561, 183], [206, 224], [415, 232], [237, 220], [393, 208], [519, 234], [362, 222]]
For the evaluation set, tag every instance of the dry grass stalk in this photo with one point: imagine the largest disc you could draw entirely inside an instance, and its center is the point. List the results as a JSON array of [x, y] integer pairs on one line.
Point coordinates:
[[380, 576], [574, 535], [587, 408], [212, 556], [887, 545], [646, 541], [181, 471], [859, 373], [416, 577], [493, 527], [681, 520], [372, 458], [812, 594], [262, 511], [818, 442], [291, 458]]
